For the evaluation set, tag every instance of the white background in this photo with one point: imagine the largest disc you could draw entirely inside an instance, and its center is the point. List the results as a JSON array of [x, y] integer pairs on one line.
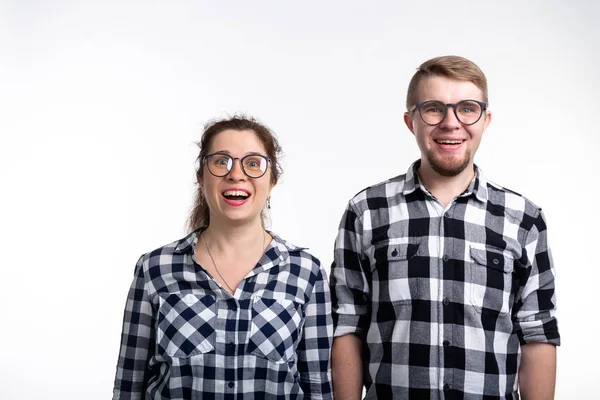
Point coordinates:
[[101, 103]]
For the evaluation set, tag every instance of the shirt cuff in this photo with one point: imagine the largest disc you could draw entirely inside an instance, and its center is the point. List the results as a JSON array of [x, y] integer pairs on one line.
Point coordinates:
[[347, 324], [539, 332]]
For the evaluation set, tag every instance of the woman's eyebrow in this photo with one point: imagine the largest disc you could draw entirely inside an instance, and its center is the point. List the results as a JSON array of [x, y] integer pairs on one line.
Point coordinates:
[[250, 153]]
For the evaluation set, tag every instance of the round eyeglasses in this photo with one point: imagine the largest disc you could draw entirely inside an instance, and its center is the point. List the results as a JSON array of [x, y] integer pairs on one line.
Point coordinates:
[[253, 165], [433, 112]]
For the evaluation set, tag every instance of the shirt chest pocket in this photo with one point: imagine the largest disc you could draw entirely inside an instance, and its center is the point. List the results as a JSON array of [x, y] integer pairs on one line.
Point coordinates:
[[185, 324], [274, 329], [491, 279], [396, 272]]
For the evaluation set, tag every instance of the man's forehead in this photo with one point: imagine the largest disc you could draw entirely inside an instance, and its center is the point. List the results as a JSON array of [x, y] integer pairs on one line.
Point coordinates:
[[437, 87]]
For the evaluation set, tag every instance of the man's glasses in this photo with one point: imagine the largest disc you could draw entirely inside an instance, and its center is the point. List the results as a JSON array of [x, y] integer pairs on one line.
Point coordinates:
[[433, 112], [253, 165]]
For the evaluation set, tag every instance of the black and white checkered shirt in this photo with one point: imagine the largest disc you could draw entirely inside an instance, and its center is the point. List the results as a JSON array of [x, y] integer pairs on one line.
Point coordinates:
[[184, 337], [443, 296]]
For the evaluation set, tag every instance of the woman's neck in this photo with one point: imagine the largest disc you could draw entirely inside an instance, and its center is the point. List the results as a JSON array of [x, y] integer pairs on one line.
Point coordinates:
[[231, 239]]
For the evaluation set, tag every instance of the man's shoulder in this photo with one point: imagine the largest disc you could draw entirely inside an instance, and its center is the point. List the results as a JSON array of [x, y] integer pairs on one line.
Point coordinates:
[[512, 201], [390, 188]]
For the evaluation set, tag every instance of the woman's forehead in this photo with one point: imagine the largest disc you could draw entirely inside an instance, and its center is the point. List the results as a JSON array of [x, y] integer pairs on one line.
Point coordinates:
[[237, 143]]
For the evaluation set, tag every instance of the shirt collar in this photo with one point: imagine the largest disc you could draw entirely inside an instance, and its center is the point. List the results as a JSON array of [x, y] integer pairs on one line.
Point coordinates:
[[477, 187], [282, 247], [186, 244], [411, 181]]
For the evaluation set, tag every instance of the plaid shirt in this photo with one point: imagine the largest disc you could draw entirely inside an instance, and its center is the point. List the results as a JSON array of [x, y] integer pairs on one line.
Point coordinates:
[[185, 337], [443, 296]]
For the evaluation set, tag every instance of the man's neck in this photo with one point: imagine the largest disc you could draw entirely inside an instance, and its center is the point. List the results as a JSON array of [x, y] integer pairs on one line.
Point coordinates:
[[445, 188]]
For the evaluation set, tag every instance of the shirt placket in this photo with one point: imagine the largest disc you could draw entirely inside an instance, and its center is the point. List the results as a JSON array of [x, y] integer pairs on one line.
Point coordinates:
[[451, 295], [228, 346], [443, 305]]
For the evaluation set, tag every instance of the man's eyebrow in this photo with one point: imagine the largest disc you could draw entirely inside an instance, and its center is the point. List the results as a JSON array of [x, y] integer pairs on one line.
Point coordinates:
[[250, 153]]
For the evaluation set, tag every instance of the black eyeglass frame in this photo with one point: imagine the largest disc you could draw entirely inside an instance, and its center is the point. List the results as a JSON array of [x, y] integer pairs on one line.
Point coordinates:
[[420, 105], [208, 156]]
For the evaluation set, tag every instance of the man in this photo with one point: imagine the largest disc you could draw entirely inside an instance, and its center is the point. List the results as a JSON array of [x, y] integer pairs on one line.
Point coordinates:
[[442, 282]]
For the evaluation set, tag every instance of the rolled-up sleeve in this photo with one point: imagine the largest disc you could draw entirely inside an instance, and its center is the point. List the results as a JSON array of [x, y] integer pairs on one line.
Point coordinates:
[[349, 277], [137, 341], [314, 349], [535, 305]]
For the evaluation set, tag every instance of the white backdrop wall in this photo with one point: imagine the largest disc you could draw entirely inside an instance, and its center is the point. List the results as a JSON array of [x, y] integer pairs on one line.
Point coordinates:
[[101, 103]]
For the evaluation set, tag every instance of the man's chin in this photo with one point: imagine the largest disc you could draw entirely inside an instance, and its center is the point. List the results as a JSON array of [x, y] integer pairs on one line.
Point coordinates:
[[447, 168]]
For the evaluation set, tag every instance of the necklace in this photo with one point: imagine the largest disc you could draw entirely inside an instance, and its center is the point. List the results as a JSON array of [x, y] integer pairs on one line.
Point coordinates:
[[215, 264]]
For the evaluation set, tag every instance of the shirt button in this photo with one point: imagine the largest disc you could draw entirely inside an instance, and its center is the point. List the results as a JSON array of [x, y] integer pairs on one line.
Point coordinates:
[[496, 261], [231, 384], [446, 387], [446, 343], [445, 258], [446, 301]]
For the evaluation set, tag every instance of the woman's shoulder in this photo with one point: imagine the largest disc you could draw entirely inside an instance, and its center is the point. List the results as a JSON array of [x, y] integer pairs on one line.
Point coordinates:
[[299, 255], [171, 252]]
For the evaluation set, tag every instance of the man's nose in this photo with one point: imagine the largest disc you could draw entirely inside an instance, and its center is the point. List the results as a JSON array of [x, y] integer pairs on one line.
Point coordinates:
[[450, 121]]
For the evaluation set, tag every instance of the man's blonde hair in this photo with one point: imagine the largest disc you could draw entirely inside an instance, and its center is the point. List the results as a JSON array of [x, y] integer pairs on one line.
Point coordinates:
[[453, 67]]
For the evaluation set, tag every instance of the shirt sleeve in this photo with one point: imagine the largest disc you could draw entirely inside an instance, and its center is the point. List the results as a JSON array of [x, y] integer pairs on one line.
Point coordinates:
[[350, 273], [314, 349], [137, 341], [535, 303]]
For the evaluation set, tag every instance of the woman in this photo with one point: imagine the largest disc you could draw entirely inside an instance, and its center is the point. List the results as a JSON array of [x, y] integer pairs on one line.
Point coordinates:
[[231, 311]]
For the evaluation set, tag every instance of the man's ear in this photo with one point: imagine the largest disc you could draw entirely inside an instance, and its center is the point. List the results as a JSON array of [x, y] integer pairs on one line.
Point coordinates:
[[488, 119], [409, 122]]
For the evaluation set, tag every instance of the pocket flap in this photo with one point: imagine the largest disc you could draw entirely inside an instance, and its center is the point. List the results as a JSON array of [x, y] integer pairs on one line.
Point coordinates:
[[391, 251], [493, 258]]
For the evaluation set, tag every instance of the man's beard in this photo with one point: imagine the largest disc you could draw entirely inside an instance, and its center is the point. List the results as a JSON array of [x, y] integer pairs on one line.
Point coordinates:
[[449, 167]]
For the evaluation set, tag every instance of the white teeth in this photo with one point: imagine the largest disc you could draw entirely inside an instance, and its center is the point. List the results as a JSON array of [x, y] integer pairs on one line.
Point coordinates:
[[449, 141], [235, 193]]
